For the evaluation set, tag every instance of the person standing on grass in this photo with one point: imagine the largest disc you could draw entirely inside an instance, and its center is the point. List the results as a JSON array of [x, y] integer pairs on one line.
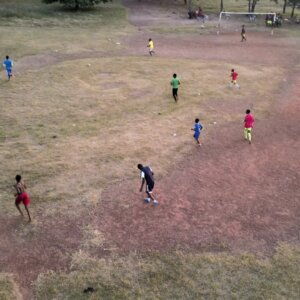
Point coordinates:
[[151, 47], [175, 82], [22, 196], [243, 34], [197, 131], [8, 64], [248, 125], [148, 176], [234, 76]]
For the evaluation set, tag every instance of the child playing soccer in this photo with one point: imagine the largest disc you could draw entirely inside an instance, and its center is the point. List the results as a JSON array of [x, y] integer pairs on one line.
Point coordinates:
[[243, 34], [175, 82], [147, 176], [8, 64], [151, 47], [21, 196], [234, 76], [248, 125], [197, 131]]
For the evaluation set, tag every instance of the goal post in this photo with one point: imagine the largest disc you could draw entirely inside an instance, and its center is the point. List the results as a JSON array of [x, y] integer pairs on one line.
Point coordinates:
[[228, 13]]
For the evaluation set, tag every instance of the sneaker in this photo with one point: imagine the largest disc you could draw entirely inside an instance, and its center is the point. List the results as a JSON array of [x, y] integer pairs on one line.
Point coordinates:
[[155, 202], [147, 200]]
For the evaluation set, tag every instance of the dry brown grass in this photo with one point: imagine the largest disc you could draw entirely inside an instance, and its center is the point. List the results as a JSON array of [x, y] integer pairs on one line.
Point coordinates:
[[72, 128]]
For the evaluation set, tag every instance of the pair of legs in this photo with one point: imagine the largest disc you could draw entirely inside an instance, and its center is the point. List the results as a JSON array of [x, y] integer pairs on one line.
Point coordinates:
[[149, 191], [23, 198], [175, 94], [234, 82], [196, 137], [9, 73], [27, 210], [248, 134], [151, 52], [243, 38]]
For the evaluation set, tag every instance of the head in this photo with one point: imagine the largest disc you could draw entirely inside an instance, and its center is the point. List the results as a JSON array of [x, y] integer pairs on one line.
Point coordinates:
[[18, 178], [174, 75], [150, 40], [197, 120], [243, 26], [140, 166], [248, 111], [7, 57], [232, 70]]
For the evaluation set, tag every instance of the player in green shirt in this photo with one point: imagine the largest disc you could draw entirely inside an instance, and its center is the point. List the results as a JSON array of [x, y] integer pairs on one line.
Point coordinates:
[[175, 82]]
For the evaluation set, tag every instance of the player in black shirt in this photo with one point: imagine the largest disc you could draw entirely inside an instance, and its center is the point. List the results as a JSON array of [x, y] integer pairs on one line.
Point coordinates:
[[148, 176]]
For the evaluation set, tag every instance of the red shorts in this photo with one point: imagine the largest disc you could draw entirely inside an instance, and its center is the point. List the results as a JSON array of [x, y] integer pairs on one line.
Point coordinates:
[[23, 198]]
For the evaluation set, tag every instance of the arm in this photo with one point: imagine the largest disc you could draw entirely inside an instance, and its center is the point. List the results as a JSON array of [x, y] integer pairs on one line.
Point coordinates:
[[142, 185]]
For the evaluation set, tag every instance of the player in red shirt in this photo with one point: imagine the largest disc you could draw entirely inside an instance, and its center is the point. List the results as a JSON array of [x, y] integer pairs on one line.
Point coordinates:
[[234, 76], [248, 125]]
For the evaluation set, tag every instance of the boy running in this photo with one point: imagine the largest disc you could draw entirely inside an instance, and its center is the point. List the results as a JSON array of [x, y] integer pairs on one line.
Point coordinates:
[[248, 125], [151, 47], [243, 34], [175, 82], [197, 131], [8, 64], [148, 176], [21, 196], [234, 76]]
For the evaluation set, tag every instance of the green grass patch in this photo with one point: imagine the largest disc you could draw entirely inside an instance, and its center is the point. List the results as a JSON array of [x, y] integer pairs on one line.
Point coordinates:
[[178, 276], [8, 288]]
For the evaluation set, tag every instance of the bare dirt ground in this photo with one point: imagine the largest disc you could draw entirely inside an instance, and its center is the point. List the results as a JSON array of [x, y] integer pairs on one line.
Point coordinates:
[[225, 195], [228, 194]]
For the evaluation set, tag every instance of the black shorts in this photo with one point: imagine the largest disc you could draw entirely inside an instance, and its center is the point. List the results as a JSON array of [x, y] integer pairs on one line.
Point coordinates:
[[150, 188], [175, 92]]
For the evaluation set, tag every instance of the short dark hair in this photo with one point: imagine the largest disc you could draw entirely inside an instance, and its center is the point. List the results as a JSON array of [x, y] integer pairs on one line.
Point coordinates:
[[140, 166], [7, 57], [232, 70], [196, 120], [18, 178], [248, 111], [150, 39], [174, 75]]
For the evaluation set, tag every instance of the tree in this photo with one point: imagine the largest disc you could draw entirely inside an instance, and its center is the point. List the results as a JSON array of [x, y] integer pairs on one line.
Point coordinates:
[[254, 2], [284, 5], [293, 3], [221, 5], [76, 3]]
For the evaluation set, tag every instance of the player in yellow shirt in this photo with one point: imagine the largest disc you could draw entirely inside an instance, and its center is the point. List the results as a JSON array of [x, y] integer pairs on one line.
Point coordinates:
[[151, 47]]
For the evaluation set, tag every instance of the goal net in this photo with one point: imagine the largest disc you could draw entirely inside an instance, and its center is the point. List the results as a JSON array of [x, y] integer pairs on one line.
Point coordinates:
[[269, 18]]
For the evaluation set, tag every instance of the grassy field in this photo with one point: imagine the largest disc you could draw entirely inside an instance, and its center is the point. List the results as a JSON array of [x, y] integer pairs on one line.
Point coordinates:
[[80, 122], [178, 276]]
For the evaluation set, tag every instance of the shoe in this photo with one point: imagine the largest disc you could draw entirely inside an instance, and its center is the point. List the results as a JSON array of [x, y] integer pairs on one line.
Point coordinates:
[[147, 200], [155, 202]]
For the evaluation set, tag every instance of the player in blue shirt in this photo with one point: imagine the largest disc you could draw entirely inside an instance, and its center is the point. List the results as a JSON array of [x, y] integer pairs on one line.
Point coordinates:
[[8, 64], [197, 130]]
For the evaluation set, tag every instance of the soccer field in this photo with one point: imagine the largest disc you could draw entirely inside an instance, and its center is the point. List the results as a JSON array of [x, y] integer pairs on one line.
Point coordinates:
[[87, 103]]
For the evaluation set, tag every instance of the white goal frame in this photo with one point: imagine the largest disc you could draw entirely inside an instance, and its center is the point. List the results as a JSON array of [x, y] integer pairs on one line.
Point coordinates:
[[245, 13]]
